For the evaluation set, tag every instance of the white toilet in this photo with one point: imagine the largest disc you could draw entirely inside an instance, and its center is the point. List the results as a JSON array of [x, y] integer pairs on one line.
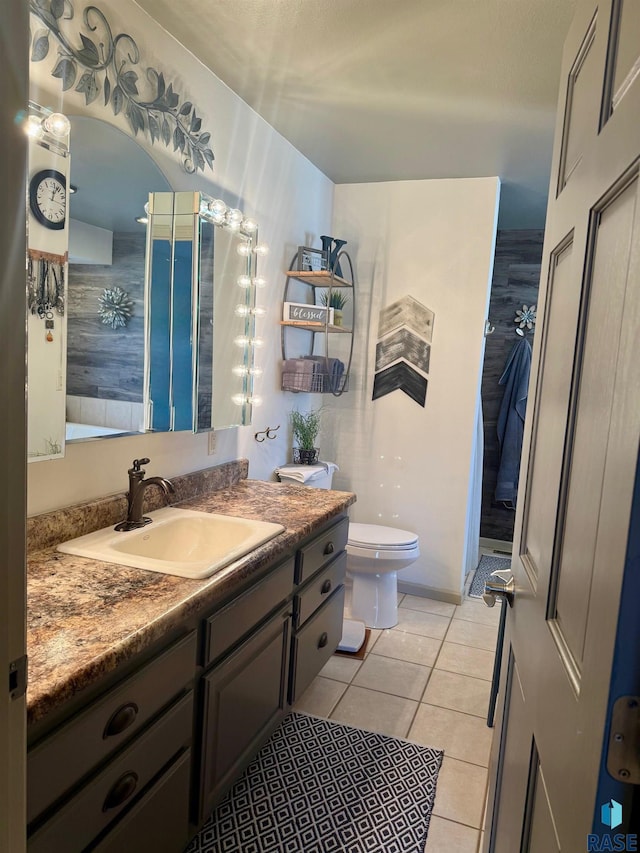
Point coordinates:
[[375, 554]]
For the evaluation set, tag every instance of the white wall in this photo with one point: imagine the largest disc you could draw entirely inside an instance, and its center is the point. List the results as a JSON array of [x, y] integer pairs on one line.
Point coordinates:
[[411, 466], [256, 170]]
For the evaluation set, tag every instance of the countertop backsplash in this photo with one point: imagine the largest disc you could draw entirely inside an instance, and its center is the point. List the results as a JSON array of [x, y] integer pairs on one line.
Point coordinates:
[[51, 528]]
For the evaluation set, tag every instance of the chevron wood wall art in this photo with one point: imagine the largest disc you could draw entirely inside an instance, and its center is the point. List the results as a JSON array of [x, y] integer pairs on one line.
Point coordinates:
[[403, 344], [403, 350], [400, 377], [407, 312]]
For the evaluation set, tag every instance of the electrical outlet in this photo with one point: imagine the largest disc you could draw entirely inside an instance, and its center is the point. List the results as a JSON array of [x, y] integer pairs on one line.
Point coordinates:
[[212, 443]]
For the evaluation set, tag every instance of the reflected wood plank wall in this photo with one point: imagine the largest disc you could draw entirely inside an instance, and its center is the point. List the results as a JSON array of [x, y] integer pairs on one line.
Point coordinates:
[[516, 277], [101, 361]]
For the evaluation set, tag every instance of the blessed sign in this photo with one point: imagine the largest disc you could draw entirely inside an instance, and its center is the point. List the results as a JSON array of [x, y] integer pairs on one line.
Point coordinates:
[[300, 313]]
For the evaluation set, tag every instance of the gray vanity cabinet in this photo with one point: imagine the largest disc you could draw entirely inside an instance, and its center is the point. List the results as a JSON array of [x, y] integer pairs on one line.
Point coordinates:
[[142, 765], [318, 605], [116, 756], [244, 699]]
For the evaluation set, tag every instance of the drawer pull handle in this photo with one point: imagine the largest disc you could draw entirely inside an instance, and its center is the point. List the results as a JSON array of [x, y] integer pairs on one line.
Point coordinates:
[[120, 720], [326, 587], [120, 791], [324, 639], [328, 548]]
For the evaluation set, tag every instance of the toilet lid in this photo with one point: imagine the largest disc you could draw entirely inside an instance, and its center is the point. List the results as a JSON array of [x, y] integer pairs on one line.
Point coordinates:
[[378, 536]]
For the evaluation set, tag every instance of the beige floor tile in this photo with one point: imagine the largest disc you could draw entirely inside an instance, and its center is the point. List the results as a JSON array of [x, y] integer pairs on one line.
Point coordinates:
[[465, 660], [340, 668], [400, 678], [428, 605], [458, 692], [419, 622], [375, 634], [410, 647], [445, 836], [400, 597], [475, 610], [377, 712], [320, 697], [460, 735], [473, 634], [460, 792]]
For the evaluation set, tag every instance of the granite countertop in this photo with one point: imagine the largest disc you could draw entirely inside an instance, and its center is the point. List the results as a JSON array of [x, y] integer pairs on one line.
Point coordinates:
[[86, 617]]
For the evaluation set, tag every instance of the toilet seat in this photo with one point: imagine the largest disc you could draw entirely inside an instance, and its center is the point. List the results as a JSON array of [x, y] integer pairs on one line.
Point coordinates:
[[377, 537]]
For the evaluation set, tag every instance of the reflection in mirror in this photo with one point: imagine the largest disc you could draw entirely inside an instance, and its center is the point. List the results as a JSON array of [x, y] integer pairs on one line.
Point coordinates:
[[192, 241], [47, 217], [112, 177]]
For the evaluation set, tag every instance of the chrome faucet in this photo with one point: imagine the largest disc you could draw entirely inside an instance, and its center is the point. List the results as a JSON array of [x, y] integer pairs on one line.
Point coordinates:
[[135, 495]]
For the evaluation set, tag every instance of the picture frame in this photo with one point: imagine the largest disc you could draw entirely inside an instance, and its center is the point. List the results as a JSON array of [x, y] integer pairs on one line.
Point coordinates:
[[311, 260]]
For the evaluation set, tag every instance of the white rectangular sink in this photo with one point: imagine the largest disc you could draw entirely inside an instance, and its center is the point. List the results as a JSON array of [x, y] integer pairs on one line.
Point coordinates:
[[183, 542]]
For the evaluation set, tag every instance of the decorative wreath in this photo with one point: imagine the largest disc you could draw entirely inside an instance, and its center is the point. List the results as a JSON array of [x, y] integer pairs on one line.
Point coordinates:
[[116, 307]]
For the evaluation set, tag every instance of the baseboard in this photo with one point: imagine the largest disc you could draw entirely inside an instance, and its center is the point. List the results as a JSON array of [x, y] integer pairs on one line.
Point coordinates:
[[498, 545], [429, 592]]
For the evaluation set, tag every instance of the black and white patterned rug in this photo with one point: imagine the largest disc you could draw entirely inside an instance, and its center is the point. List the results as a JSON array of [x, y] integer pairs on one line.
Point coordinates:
[[486, 565], [319, 786]]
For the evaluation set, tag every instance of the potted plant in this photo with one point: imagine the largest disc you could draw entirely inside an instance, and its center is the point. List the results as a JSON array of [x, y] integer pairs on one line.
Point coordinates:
[[337, 300], [305, 426]]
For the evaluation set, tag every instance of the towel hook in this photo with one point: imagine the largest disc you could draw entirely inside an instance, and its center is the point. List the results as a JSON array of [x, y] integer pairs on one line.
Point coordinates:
[[488, 329], [266, 433]]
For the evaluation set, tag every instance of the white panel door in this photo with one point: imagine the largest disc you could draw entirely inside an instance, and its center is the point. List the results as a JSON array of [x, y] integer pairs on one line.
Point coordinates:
[[579, 457]]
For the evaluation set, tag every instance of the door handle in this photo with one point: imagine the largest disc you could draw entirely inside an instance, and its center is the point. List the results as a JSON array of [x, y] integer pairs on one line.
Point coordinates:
[[500, 583]]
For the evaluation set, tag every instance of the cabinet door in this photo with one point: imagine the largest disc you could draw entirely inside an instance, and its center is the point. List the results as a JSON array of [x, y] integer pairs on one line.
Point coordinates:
[[244, 700]]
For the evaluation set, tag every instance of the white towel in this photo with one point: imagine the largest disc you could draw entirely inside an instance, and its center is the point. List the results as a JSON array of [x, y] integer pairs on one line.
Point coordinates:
[[307, 473]]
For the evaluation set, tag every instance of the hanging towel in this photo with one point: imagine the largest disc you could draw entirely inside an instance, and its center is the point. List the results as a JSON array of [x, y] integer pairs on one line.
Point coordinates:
[[515, 378]]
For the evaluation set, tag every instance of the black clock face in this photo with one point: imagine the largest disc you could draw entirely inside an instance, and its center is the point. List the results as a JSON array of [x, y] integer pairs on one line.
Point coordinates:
[[48, 198]]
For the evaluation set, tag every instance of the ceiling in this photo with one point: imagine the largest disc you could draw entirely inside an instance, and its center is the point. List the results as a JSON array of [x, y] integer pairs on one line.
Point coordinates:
[[377, 90]]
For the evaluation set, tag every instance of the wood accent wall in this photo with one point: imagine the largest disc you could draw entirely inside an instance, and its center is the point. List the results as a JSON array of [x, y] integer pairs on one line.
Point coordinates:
[[104, 362], [516, 278]]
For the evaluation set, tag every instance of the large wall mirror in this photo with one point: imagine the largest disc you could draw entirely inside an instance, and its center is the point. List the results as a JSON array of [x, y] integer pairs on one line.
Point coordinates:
[[109, 309]]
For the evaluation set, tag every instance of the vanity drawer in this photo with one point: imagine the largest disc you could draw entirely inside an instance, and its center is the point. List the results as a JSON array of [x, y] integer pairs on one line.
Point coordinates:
[[315, 643], [244, 613], [116, 788], [319, 589], [160, 821], [64, 757], [313, 556]]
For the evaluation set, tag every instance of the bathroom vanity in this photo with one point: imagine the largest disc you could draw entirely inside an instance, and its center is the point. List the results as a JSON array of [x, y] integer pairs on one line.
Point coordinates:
[[149, 694]]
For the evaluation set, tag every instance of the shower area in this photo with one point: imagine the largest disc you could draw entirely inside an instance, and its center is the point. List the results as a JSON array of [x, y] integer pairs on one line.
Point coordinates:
[[516, 278]]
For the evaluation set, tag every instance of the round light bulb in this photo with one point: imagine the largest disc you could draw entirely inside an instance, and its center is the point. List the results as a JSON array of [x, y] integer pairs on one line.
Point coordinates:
[[217, 207], [239, 399], [234, 215], [259, 281], [258, 312], [241, 341], [261, 249], [240, 370], [249, 226], [244, 281], [242, 310], [254, 401], [232, 225], [33, 127], [256, 342], [255, 371], [57, 124], [244, 249]]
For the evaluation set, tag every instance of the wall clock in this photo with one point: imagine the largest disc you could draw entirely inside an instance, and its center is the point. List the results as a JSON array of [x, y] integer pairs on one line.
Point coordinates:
[[48, 198]]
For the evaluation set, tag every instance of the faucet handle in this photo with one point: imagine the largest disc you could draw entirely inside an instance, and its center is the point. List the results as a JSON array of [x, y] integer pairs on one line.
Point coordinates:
[[137, 463]]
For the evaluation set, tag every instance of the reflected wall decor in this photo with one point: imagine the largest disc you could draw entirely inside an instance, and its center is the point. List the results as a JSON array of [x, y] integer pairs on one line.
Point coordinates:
[[403, 351]]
